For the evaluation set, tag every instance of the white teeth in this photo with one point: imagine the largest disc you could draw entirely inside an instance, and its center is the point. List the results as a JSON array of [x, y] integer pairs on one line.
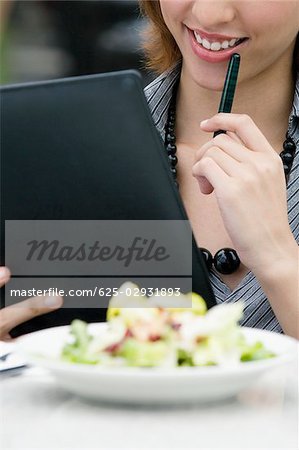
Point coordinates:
[[198, 38], [206, 44], [215, 46]]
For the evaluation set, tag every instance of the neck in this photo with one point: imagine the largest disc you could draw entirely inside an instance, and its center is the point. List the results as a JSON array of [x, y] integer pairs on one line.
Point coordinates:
[[267, 98]]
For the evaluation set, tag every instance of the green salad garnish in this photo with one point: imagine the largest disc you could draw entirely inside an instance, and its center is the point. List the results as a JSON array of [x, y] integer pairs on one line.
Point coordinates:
[[153, 336]]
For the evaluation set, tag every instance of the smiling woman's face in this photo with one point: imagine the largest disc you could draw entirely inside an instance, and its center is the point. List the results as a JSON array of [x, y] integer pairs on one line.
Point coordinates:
[[206, 33]]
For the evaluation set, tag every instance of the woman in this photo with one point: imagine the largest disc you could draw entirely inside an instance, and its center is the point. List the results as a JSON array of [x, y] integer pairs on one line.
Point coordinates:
[[233, 186], [236, 197]]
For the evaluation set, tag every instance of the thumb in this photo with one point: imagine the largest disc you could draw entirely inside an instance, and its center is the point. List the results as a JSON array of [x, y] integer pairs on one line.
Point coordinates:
[[14, 315]]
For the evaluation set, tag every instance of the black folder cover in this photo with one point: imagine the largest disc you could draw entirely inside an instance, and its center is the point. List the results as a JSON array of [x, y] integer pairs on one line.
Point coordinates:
[[85, 148]]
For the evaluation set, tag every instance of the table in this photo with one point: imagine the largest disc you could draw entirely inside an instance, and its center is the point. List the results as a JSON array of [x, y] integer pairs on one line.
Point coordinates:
[[36, 413]]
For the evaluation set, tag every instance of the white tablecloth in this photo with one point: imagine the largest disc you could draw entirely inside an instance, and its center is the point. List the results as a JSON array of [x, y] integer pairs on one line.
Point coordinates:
[[36, 413]]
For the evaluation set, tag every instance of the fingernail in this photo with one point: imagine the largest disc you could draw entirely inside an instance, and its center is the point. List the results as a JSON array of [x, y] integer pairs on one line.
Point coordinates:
[[4, 273], [52, 301], [204, 122]]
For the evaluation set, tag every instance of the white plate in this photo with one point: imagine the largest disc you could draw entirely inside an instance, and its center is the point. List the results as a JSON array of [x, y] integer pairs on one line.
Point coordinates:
[[151, 385]]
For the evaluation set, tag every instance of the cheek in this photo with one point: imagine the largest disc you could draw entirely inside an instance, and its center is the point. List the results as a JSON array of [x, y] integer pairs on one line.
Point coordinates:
[[173, 12], [273, 26], [273, 20]]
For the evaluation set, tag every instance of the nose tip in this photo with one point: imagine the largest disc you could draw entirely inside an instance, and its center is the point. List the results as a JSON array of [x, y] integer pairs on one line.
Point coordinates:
[[211, 14]]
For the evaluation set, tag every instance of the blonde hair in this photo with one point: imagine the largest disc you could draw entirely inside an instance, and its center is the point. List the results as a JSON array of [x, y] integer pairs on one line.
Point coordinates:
[[160, 49]]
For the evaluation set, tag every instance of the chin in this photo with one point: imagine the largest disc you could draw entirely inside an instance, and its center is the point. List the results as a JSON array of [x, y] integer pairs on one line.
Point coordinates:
[[212, 80], [206, 75], [210, 85]]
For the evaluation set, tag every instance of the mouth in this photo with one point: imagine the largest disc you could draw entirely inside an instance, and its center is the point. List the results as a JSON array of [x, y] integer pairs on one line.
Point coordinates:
[[215, 48]]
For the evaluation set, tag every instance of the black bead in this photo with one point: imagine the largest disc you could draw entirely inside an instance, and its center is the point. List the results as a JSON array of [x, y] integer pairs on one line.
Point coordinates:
[[289, 146], [173, 160], [226, 261], [207, 256], [170, 129], [171, 149], [170, 138], [287, 168], [173, 171], [287, 157]]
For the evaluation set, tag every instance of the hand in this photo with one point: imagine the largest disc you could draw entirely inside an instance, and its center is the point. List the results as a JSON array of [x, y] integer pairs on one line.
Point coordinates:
[[12, 316], [247, 177]]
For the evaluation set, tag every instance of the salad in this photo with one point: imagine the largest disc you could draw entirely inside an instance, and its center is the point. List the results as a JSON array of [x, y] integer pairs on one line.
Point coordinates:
[[155, 336]]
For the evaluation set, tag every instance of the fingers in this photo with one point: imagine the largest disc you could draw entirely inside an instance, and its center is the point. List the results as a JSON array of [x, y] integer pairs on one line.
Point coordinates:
[[228, 145], [4, 275], [12, 316], [234, 137], [243, 126], [208, 169], [226, 152], [242, 153], [228, 164], [204, 185]]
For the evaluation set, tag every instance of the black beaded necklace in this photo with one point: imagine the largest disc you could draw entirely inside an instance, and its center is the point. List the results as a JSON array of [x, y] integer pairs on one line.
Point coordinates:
[[225, 260]]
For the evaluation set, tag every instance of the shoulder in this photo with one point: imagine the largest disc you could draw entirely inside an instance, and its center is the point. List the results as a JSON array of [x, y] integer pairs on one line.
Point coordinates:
[[160, 85], [158, 94], [293, 184], [294, 116], [293, 130]]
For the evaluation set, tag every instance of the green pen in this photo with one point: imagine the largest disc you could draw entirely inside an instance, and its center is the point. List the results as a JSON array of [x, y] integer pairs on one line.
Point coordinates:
[[229, 88]]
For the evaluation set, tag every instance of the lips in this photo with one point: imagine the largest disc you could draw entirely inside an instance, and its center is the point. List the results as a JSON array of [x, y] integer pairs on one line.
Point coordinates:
[[213, 37], [210, 55]]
